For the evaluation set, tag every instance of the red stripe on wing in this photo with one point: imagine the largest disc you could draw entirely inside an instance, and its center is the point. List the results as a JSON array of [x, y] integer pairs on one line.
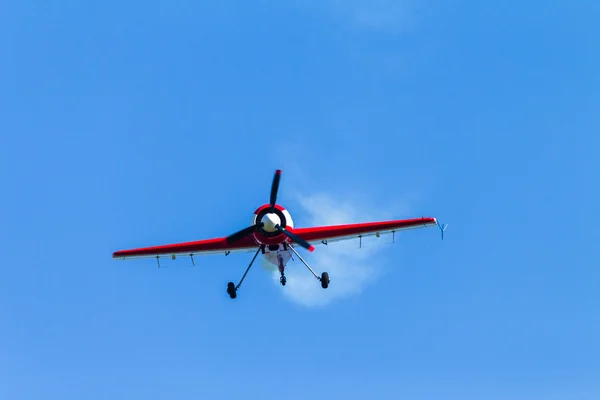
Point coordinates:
[[209, 245]]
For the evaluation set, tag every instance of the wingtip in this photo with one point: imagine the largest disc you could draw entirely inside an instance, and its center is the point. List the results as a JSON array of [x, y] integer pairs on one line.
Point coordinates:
[[311, 248]]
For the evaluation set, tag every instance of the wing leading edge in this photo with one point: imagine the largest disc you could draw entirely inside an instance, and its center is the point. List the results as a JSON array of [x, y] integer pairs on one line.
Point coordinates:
[[333, 233]]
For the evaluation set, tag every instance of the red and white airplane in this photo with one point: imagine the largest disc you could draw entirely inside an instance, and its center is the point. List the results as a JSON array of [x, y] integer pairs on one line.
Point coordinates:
[[272, 233]]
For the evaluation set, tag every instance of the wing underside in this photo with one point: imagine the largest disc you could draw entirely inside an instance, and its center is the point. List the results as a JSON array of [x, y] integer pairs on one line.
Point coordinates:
[[316, 235], [334, 233]]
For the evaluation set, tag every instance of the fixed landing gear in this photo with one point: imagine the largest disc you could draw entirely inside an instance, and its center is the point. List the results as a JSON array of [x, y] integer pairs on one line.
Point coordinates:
[[231, 288], [324, 276]]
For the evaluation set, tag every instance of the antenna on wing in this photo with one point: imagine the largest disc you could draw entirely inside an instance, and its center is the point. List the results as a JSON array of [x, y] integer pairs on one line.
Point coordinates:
[[442, 228]]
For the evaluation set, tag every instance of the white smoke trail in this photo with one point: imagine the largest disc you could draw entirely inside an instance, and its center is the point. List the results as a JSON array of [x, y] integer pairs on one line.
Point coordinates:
[[350, 267]]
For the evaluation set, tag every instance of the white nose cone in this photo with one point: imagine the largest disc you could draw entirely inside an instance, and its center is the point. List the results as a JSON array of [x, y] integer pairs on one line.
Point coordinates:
[[270, 220]]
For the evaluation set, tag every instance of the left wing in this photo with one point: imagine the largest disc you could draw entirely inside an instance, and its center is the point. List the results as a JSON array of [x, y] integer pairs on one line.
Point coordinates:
[[209, 246], [354, 231]]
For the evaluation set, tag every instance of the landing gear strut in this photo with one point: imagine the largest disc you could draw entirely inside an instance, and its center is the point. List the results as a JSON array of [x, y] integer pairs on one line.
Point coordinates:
[[324, 276], [231, 288]]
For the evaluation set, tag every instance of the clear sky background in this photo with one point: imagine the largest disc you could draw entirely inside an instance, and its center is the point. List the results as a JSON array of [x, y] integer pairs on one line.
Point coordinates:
[[130, 123]]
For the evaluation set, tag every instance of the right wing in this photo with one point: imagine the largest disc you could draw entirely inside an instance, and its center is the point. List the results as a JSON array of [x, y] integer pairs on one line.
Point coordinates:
[[333, 233]]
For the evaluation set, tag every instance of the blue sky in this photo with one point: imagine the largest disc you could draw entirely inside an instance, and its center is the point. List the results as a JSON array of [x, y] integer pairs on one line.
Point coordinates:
[[128, 124]]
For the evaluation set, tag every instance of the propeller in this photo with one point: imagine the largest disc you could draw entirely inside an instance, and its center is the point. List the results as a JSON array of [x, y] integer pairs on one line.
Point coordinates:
[[253, 228], [296, 238], [243, 233], [275, 189]]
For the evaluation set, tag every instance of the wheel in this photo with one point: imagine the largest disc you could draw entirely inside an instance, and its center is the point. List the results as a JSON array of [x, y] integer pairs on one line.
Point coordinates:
[[283, 280], [231, 290], [325, 280]]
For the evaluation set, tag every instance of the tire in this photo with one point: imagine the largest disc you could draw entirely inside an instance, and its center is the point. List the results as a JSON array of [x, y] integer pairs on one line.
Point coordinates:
[[231, 291], [325, 280]]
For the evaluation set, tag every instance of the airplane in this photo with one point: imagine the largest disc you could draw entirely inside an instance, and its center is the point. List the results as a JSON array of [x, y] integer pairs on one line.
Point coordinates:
[[273, 234]]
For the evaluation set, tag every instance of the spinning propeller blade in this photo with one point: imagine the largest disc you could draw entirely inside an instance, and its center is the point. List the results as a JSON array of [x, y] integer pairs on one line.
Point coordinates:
[[243, 233], [296, 238], [274, 189]]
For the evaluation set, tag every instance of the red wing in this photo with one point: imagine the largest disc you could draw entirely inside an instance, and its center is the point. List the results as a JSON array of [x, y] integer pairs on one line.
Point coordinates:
[[209, 246], [351, 231]]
